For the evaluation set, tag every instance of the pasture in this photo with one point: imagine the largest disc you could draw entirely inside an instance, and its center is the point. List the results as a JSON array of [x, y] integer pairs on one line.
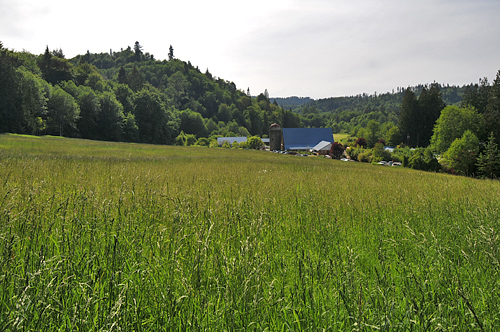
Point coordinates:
[[99, 236]]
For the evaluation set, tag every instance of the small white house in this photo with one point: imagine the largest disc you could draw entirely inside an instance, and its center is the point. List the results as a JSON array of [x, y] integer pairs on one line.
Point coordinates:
[[322, 147]]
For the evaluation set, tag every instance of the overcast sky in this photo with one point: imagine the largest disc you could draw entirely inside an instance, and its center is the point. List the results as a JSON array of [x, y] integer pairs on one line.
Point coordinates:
[[313, 48]]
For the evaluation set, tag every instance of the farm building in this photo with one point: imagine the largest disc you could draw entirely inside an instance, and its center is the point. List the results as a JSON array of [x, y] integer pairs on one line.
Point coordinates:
[[322, 148], [231, 140], [305, 138]]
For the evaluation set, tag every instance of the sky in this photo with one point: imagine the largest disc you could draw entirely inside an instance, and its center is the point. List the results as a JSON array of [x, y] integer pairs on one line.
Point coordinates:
[[305, 48]]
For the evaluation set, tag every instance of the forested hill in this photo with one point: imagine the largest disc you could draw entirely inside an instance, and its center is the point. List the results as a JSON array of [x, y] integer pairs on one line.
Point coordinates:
[[349, 114], [292, 102], [127, 96]]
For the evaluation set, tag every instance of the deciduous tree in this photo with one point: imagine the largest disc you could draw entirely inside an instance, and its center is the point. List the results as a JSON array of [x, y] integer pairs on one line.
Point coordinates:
[[452, 124], [461, 157]]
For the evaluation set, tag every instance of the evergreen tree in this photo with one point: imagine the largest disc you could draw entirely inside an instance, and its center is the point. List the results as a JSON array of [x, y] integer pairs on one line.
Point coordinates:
[[10, 112], [477, 95], [54, 67], [488, 162], [122, 76], [407, 118], [44, 63], [170, 53], [430, 104], [137, 51], [136, 79], [492, 113]]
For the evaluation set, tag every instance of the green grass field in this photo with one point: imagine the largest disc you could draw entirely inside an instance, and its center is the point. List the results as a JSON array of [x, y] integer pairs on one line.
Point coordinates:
[[340, 137], [98, 236]]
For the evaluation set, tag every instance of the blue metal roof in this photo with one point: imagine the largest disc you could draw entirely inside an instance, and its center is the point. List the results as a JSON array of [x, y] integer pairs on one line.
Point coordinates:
[[305, 138]]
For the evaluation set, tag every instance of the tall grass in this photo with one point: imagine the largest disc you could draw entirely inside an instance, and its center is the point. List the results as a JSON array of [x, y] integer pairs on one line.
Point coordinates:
[[122, 237]]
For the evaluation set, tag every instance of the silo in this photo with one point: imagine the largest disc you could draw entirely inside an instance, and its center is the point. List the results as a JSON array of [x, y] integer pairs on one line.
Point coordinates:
[[275, 137]]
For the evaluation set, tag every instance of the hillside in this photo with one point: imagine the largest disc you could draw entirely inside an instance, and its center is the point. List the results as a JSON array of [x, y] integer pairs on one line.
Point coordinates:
[[126, 96]]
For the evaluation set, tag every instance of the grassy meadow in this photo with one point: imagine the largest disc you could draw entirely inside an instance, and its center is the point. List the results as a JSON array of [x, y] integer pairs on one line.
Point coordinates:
[[98, 236]]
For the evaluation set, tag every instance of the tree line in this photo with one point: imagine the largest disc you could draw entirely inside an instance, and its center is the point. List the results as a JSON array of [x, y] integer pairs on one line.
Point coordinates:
[[127, 96], [430, 135]]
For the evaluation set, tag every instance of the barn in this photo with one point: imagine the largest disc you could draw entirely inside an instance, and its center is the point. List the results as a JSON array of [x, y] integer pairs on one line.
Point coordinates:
[[305, 138]]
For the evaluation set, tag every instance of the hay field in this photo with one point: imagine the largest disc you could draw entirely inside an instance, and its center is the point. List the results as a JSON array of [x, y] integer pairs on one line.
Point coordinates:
[[98, 236]]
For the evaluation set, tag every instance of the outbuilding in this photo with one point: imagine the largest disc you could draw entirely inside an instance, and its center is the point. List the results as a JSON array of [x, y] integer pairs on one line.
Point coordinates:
[[322, 148]]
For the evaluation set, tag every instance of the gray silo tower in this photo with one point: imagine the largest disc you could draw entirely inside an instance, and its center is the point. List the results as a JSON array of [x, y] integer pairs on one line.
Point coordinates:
[[275, 137]]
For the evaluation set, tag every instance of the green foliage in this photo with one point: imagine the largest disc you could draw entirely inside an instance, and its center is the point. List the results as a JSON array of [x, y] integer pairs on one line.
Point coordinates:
[[192, 123], [254, 142], [130, 128], [476, 96], [424, 159], [214, 143], [393, 136], [184, 139], [372, 133], [62, 113], [55, 68], [492, 112], [379, 154], [452, 124], [33, 100], [226, 145], [156, 123], [90, 109], [430, 104], [354, 152], [461, 157], [418, 116], [203, 141], [488, 162], [110, 118]]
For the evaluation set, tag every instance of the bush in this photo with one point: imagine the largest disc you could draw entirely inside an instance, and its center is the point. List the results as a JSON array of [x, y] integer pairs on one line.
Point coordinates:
[[380, 154], [254, 142], [423, 159], [461, 157], [365, 157]]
